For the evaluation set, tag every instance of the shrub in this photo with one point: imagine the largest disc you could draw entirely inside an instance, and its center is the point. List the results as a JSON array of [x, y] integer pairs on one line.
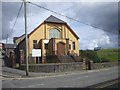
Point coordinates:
[[91, 55], [104, 60]]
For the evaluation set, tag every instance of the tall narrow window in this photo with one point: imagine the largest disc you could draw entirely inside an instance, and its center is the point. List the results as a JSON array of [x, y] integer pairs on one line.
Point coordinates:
[[69, 46], [54, 33], [34, 44], [46, 45], [73, 45]]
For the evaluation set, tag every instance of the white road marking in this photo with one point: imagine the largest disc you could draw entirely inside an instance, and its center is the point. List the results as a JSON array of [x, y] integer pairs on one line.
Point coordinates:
[[107, 69], [36, 85], [86, 76], [91, 71]]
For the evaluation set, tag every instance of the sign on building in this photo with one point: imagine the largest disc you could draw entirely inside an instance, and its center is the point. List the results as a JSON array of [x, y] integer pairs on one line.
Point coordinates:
[[45, 41], [36, 53]]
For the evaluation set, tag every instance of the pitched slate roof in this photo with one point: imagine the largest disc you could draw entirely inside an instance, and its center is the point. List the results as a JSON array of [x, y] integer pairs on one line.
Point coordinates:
[[10, 45], [53, 19], [15, 38]]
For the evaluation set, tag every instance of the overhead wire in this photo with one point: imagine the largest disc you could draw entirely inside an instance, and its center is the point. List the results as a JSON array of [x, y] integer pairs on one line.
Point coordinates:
[[15, 20], [52, 12], [65, 16]]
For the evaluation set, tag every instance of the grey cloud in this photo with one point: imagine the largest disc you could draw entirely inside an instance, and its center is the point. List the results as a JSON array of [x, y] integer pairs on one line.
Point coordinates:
[[9, 12], [102, 15], [119, 15], [31, 9]]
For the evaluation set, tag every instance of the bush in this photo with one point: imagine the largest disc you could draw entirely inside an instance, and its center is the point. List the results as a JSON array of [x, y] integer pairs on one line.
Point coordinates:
[[104, 60], [90, 54]]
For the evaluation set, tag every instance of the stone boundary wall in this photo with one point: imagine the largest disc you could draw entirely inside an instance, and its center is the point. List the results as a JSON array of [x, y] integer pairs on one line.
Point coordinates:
[[104, 65], [63, 67], [55, 67]]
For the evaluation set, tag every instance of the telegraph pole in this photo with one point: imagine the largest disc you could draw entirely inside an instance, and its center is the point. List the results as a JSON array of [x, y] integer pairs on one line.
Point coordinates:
[[6, 38], [26, 39], [6, 44]]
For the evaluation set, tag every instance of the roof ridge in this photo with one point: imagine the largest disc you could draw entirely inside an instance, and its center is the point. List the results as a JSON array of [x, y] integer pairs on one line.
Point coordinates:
[[54, 19]]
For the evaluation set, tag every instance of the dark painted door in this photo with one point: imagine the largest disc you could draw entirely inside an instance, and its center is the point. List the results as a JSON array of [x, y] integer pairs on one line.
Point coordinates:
[[61, 48]]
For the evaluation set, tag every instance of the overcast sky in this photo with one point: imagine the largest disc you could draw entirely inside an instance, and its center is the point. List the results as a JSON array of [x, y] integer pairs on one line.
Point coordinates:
[[103, 15]]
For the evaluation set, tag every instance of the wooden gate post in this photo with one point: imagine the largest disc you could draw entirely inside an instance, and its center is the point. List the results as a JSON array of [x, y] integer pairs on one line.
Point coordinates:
[[22, 58], [91, 65], [12, 58], [84, 64]]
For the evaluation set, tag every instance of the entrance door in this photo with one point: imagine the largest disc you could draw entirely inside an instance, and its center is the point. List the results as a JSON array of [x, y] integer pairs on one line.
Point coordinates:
[[60, 48]]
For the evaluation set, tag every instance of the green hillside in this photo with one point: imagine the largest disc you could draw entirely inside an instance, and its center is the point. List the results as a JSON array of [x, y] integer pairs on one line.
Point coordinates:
[[108, 54], [103, 55]]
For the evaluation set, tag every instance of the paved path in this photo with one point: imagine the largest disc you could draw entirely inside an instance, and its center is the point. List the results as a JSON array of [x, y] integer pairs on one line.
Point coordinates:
[[16, 73], [72, 80]]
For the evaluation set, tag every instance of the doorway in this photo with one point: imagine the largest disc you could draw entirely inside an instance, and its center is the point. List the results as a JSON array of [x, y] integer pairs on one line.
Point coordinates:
[[60, 48]]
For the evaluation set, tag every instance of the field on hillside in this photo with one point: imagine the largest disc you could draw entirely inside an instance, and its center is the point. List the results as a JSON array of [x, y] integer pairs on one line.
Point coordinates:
[[108, 54], [103, 55]]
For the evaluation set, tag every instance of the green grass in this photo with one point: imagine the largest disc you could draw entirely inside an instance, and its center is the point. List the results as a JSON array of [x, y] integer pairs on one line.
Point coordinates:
[[108, 54], [103, 55]]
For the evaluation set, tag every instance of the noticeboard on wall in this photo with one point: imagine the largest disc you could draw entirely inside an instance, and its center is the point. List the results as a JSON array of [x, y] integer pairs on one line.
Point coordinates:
[[36, 53]]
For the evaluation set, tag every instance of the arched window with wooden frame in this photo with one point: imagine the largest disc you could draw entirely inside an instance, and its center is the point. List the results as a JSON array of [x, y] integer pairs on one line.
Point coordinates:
[[54, 33]]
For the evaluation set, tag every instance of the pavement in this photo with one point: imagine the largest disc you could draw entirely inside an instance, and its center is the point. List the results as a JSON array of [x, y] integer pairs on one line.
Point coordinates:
[[14, 73], [70, 80], [10, 73]]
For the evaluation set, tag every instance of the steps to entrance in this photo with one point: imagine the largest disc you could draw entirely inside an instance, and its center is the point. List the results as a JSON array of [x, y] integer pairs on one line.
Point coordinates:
[[61, 59], [65, 58]]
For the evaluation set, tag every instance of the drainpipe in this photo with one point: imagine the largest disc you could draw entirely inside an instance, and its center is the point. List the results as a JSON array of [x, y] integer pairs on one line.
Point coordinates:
[[67, 46]]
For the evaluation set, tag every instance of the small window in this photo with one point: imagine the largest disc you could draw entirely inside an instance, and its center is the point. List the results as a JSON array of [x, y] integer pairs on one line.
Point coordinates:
[[34, 44], [46, 45], [73, 45], [69, 46]]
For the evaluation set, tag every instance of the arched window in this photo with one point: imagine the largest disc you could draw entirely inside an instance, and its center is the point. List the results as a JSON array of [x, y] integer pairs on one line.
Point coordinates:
[[54, 33]]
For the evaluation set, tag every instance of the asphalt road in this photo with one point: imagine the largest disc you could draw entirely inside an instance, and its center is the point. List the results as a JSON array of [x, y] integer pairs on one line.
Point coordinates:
[[108, 84], [79, 80]]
